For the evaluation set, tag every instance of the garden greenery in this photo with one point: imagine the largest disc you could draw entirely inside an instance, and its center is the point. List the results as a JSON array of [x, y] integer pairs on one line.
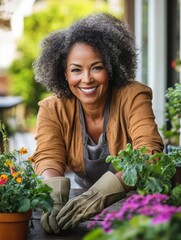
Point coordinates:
[[20, 188], [141, 217], [151, 213], [172, 115]]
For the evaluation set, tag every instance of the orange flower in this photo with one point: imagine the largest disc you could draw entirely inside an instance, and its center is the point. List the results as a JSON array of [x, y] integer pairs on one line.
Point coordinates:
[[23, 150], [18, 179], [31, 159], [3, 179], [15, 174]]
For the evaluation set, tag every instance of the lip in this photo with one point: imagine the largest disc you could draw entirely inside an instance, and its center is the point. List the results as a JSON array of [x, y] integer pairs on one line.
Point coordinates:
[[88, 90]]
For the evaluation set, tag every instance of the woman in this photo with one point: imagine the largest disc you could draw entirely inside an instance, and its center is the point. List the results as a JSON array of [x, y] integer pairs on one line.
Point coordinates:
[[97, 108]]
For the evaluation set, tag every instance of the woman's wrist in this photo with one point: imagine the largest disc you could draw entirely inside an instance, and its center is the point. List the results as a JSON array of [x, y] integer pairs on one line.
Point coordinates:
[[126, 188], [49, 173]]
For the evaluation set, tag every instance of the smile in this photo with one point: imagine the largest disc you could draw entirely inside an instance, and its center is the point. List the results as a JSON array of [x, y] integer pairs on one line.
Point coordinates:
[[88, 90]]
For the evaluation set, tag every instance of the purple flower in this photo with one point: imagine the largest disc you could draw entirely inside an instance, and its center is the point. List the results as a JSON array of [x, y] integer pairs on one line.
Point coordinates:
[[151, 205], [107, 223]]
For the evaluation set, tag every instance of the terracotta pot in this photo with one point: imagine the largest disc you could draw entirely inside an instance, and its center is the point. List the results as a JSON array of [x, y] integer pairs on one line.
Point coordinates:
[[14, 226]]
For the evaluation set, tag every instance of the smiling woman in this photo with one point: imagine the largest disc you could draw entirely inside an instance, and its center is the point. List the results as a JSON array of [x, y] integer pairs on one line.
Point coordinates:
[[87, 77], [97, 108]]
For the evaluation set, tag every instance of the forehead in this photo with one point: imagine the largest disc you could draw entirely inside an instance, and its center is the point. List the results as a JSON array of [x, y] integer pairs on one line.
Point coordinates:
[[81, 49]]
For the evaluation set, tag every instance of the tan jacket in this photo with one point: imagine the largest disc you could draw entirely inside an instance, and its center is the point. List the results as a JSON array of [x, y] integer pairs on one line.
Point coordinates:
[[59, 136]]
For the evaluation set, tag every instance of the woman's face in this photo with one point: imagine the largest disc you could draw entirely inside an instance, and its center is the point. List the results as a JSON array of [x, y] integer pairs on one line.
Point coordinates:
[[86, 74]]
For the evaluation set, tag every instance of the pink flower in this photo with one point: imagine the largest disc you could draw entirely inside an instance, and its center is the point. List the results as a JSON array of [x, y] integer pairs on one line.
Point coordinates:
[[151, 205], [173, 63], [3, 179]]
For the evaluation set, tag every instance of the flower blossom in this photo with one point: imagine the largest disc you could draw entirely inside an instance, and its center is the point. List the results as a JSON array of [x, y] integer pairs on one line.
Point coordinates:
[[3, 179], [23, 150], [31, 159], [151, 205]]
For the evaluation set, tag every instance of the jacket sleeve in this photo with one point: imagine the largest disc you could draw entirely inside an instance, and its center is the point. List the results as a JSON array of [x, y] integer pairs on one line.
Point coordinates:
[[142, 127], [50, 152]]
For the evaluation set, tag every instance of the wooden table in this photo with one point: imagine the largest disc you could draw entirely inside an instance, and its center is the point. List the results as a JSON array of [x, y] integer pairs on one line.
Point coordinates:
[[37, 232]]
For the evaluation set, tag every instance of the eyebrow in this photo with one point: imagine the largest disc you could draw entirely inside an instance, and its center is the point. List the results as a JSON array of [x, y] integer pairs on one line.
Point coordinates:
[[78, 65]]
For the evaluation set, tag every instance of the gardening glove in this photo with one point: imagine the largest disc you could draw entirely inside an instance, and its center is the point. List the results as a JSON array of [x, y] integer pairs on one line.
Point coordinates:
[[106, 191], [60, 195]]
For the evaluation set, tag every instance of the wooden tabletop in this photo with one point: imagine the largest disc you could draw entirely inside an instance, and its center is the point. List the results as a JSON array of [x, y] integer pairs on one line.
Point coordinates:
[[37, 232]]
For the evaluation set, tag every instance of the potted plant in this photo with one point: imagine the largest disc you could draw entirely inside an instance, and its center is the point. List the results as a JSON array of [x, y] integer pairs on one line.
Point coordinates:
[[21, 192], [173, 117], [171, 129], [154, 211]]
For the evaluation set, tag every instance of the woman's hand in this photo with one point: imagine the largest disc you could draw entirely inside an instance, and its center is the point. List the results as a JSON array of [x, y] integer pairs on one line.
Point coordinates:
[[126, 187], [106, 191]]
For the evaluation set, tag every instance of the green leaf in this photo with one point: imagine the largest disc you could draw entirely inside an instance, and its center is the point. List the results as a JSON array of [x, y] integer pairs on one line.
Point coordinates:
[[149, 174], [176, 195], [96, 234], [130, 176], [25, 205]]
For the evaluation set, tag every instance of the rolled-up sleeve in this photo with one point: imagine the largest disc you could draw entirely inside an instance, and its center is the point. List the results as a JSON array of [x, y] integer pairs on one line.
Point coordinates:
[[142, 126], [50, 152]]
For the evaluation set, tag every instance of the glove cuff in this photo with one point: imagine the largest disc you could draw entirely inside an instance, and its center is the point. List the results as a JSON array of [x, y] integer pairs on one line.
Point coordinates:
[[59, 185], [109, 183], [53, 180]]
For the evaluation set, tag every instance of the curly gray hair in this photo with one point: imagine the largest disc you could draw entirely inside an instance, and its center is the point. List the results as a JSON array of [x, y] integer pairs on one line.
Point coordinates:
[[104, 32]]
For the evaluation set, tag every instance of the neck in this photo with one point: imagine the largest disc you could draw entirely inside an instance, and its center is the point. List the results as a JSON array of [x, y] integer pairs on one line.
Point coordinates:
[[94, 111]]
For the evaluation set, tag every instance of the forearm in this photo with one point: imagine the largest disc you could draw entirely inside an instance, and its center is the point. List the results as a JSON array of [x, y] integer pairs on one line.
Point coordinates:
[[50, 173], [126, 188]]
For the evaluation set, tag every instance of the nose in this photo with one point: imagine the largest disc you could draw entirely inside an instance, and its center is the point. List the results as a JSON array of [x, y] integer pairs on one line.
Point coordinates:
[[86, 77]]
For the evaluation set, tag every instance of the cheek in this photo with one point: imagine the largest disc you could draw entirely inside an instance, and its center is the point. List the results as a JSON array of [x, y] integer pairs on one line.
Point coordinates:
[[104, 78], [73, 81]]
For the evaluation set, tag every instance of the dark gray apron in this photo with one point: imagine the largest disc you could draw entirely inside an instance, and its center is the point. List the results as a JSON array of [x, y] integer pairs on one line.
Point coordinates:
[[94, 156]]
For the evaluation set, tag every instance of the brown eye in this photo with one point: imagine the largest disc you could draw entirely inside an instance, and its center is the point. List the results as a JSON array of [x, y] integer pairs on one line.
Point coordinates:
[[97, 68], [75, 70]]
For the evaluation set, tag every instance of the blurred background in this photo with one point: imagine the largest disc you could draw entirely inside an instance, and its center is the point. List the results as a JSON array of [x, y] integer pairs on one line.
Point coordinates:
[[23, 23]]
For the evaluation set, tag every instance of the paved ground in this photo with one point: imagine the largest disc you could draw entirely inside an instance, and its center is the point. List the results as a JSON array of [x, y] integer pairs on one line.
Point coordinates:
[[27, 140]]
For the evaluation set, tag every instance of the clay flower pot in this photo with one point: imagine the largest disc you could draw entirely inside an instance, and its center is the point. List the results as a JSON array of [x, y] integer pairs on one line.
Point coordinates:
[[14, 225]]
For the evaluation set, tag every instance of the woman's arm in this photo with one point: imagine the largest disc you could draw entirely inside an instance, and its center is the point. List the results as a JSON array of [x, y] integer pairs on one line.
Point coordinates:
[[50, 154], [50, 173], [126, 188]]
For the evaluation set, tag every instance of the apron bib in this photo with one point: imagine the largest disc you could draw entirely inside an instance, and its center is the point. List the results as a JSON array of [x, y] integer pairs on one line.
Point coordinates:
[[94, 155]]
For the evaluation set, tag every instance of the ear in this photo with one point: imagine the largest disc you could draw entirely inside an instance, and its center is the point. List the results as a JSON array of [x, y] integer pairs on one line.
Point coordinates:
[[65, 76]]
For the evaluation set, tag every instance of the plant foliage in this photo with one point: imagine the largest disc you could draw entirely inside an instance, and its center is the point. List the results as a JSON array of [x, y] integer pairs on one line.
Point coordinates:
[[20, 188], [172, 115], [154, 212], [140, 217], [149, 174]]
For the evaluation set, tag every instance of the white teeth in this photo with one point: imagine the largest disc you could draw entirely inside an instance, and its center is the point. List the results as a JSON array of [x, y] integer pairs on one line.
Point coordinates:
[[88, 90]]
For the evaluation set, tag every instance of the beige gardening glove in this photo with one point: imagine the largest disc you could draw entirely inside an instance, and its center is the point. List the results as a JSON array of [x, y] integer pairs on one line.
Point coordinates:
[[106, 191], [60, 195]]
